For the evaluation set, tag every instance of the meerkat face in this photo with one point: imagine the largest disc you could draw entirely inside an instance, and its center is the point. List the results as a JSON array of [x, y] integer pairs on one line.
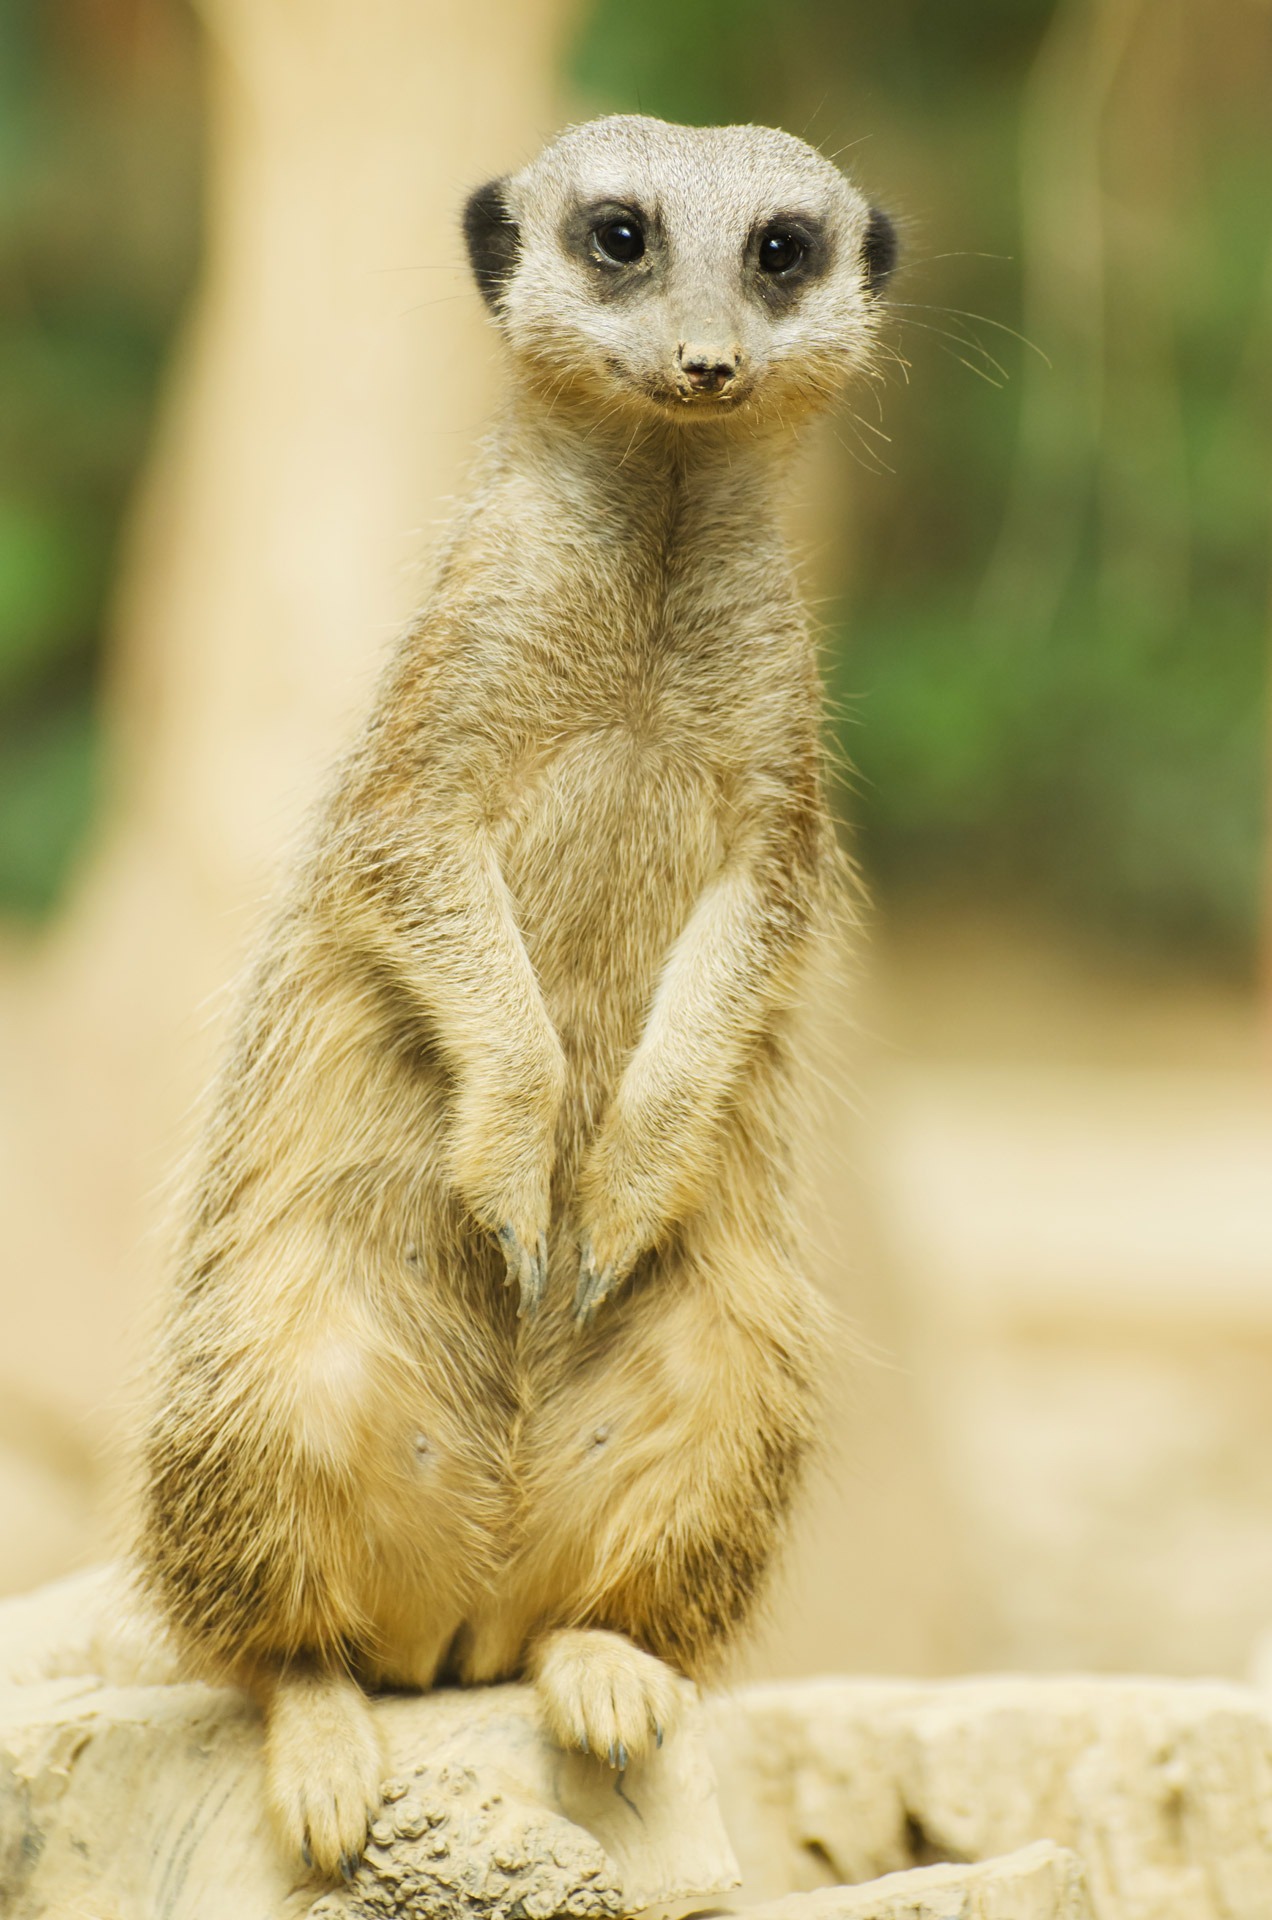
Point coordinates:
[[700, 272]]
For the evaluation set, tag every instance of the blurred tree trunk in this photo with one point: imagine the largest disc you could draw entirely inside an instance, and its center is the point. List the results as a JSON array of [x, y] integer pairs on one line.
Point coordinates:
[[336, 370]]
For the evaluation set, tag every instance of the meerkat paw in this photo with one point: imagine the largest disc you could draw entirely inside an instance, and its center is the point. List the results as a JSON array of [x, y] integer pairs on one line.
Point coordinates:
[[324, 1766], [501, 1160], [502, 1166], [625, 1207], [602, 1695]]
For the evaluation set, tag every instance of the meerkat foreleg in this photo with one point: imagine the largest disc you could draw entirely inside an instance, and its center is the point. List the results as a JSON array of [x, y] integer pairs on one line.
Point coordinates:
[[456, 946], [600, 1694], [651, 1158], [323, 1766]]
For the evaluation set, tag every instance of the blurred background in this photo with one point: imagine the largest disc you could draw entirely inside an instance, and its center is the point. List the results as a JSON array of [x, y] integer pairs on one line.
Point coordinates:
[[241, 374]]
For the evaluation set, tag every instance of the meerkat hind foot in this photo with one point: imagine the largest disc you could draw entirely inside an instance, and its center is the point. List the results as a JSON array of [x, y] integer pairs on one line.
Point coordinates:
[[324, 1766], [602, 1695]]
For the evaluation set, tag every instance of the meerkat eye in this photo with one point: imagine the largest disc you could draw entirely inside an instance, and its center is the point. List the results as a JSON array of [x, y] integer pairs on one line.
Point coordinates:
[[621, 240], [779, 251]]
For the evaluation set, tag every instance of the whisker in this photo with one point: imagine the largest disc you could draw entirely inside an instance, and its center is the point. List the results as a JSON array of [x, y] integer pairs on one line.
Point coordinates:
[[848, 145], [866, 459], [981, 319], [973, 346], [443, 299], [870, 427], [958, 253]]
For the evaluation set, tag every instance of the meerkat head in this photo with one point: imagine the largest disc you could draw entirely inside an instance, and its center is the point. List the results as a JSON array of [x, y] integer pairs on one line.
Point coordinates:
[[698, 272]]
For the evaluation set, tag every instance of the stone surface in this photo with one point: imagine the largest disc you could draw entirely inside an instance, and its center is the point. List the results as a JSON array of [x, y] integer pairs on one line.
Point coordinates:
[[1041, 1882], [145, 1801], [127, 1796], [1162, 1788]]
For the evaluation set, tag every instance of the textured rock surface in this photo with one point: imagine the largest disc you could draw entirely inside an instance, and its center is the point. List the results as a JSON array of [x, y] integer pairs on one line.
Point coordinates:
[[144, 1802], [1041, 1882], [125, 1798], [1162, 1788]]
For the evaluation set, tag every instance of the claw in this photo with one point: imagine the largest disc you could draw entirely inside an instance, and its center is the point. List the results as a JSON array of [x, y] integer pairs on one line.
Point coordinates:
[[622, 1757], [530, 1270], [658, 1736], [594, 1285], [306, 1852], [348, 1866], [583, 1746], [534, 1279], [613, 1759]]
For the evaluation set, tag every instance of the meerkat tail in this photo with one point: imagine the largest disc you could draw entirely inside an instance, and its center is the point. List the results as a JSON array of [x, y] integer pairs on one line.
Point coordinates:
[[323, 1766]]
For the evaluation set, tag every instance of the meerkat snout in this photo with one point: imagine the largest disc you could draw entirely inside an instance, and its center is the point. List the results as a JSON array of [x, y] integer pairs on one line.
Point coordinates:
[[706, 368]]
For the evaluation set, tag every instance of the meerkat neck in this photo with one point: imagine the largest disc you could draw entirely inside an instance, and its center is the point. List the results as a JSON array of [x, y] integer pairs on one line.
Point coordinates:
[[718, 470]]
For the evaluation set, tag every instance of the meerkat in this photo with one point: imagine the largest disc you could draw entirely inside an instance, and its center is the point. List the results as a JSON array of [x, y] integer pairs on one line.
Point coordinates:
[[528, 1012]]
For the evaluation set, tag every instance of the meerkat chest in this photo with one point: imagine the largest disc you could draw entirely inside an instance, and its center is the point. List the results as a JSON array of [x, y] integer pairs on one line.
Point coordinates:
[[621, 805], [606, 839]]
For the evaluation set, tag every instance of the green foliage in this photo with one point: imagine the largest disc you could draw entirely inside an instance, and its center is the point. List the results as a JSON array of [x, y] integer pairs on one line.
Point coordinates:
[[97, 196], [50, 580], [1052, 643], [46, 793]]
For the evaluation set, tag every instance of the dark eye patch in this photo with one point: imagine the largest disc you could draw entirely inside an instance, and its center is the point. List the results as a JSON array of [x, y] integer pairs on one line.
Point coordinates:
[[784, 254], [616, 239]]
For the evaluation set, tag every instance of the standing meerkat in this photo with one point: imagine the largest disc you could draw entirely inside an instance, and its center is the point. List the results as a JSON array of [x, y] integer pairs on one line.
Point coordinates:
[[527, 1011]]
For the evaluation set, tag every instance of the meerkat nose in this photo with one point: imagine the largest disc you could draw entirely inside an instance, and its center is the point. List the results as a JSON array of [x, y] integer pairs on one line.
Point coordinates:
[[707, 369]]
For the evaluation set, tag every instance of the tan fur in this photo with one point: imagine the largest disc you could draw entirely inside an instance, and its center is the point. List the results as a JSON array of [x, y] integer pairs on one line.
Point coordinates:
[[528, 1012]]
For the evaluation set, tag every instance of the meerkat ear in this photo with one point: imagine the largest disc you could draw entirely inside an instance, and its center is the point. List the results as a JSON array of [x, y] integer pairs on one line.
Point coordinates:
[[493, 239], [879, 250]]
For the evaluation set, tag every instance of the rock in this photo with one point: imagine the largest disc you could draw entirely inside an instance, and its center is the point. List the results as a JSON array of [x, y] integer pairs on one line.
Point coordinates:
[[1041, 1882], [1163, 1788], [124, 1793], [485, 1816], [145, 1800]]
